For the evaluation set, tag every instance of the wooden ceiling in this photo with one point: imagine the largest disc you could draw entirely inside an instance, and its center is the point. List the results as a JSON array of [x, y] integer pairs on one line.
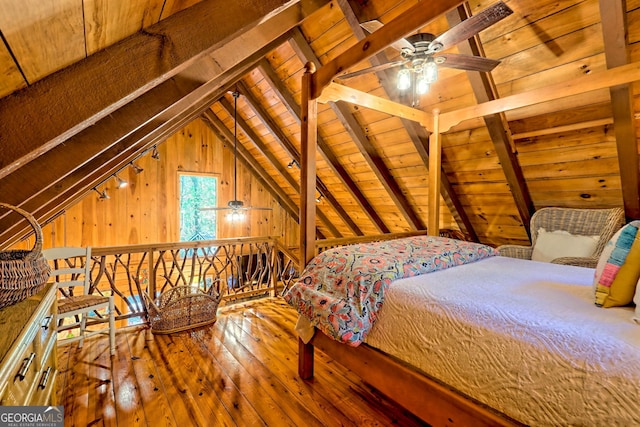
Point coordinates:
[[87, 86]]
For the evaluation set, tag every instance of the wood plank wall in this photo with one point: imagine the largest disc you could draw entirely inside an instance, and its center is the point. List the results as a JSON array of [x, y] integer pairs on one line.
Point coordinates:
[[147, 210]]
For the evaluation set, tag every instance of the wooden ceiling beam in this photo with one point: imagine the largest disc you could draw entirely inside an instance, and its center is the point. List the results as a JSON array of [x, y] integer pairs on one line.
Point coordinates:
[[152, 117], [325, 151], [404, 24], [484, 89], [69, 101], [368, 151], [257, 142], [288, 146], [589, 82], [614, 30], [418, 134]]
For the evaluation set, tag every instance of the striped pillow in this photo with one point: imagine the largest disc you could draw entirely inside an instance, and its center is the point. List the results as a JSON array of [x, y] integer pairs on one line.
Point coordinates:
[[618, 269]]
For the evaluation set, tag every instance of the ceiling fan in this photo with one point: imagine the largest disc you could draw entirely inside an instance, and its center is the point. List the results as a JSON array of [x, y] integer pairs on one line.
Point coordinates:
[[235, 206], [421, 52]]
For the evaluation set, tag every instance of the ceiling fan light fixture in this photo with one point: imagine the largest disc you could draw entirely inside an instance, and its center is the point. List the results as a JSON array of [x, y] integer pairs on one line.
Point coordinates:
[[422, 86], [404, 79], [430, 71], [235, 216]]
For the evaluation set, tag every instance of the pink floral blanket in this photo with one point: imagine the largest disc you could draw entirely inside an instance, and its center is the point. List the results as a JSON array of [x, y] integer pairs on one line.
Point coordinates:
[[342, 289]]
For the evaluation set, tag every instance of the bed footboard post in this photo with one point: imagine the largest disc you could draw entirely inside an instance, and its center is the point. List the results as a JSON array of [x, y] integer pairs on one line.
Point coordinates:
[[305, 360]]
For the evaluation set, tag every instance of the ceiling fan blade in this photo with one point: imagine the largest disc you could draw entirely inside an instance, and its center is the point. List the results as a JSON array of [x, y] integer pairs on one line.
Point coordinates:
[[373, 25], [470, 27], [222, 208], [466, 62], [373, 69], [256, 208]]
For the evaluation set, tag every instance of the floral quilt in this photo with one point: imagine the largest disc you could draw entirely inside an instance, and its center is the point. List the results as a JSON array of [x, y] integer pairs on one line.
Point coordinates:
[[342, 289]]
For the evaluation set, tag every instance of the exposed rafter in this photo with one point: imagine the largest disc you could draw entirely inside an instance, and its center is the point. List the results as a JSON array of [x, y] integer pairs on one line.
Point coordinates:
[[354, 129], [614, 30], [418, 134], [255, 139], [145, 60], [332, 160], [284, 142], [485, 90]]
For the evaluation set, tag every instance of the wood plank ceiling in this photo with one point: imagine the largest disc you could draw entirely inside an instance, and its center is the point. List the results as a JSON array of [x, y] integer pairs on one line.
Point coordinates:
[[88, 86]]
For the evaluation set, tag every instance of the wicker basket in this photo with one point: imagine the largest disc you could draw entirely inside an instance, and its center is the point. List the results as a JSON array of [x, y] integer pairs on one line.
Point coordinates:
[[22, 273], [181, 308]]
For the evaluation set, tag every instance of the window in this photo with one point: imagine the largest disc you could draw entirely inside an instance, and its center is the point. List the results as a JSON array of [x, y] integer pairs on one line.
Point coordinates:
[[197, 192]]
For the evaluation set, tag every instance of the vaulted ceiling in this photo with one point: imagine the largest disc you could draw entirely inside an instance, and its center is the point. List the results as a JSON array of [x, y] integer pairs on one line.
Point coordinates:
[[87, 86]]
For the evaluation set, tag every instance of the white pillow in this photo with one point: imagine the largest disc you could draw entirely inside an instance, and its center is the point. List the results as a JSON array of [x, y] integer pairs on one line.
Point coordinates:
[[555, 244]]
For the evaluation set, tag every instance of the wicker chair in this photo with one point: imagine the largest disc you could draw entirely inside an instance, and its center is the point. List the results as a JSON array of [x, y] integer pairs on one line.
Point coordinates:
[[585, 222], [181, 308]]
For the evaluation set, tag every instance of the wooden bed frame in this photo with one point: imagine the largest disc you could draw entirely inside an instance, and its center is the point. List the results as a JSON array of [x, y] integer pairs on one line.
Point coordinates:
[[426, 398]]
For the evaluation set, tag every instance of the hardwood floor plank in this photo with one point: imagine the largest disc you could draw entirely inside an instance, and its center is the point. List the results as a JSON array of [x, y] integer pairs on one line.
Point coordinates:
[[248, 402], [101, 396], [160, 406], [240, 371], [197, 395], [253, 352], [272, 318], [129, 410]]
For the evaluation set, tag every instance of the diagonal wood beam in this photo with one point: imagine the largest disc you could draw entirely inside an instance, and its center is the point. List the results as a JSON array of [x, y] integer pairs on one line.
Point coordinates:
[[325, 151], [72, 169], [404, 24], [614, 31], [368, 151], [257, 142], [284, 142], [622, 74], [77, 97], [484, 89], [418, 135], [218, 127]]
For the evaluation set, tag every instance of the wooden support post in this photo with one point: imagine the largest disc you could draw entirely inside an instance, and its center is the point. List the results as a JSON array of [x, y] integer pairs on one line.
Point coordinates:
[[435, 164], [308, 142], [305, 360]]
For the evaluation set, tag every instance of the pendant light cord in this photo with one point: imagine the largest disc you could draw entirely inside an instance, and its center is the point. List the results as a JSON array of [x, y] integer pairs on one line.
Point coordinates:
[[236, 94]]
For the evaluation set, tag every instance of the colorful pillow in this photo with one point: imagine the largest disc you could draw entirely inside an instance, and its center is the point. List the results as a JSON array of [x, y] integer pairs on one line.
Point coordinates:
[[618, 269], [556, 244]]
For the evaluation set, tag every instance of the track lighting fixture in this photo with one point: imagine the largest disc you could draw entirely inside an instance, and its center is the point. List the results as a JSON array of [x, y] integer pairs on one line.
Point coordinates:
[[319, 198], [155, 154], [136, 168], [102, 195], [120, 183], [293, 163]]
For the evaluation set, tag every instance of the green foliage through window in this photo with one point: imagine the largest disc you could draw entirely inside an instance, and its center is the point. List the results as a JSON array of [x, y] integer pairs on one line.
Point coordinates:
[[196, 192]]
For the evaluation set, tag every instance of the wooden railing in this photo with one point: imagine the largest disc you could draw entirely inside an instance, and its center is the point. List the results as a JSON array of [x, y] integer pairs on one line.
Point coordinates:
[[237, 268]]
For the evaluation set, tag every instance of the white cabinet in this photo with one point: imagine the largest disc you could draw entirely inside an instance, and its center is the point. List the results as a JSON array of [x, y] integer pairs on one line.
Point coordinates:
[[28, 351]]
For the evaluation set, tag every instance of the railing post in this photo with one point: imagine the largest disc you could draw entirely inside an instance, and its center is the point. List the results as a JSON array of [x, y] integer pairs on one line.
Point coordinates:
[[152, 276], [272, 268]]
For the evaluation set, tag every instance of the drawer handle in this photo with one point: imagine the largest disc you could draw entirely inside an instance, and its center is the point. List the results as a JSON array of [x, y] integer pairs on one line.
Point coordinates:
[[45, 378], [26, 363], [47, 322]]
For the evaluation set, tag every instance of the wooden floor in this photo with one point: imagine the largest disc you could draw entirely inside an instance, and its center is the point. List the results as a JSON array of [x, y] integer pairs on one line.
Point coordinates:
[[240, 371]]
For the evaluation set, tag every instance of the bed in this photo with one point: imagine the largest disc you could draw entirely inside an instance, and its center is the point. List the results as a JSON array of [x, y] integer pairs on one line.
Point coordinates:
[[495, 341]]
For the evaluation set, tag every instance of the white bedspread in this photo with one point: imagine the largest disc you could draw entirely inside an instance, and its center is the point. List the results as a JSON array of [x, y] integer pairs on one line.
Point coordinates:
[[523, 337]]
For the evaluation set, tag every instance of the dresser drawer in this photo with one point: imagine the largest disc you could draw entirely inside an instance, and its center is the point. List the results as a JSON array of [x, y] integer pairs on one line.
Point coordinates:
[[28, 350], [46, 378], [22, 378]]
